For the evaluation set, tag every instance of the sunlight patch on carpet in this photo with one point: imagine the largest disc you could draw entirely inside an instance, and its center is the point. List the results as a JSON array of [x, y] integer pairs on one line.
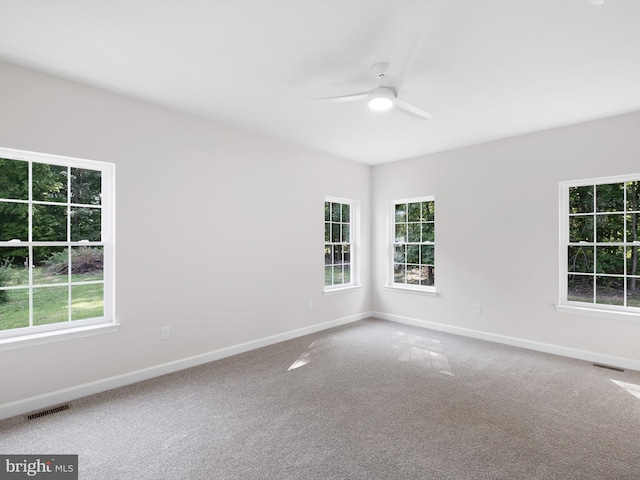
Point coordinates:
[[632, 388], [312, 351], [421, 350]]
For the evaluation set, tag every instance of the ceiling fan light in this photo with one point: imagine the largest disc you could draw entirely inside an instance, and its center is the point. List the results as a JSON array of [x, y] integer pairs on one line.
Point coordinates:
[[380, 104], [381, 99]]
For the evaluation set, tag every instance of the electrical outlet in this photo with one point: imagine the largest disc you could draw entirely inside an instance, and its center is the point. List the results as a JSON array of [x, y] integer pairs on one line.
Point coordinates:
[[309, 305], [477, 308], [165, 333]]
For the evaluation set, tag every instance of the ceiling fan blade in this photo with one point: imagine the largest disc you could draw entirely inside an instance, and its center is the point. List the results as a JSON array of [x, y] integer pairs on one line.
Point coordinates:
[[345, 98], [402, 62], [410, 109]]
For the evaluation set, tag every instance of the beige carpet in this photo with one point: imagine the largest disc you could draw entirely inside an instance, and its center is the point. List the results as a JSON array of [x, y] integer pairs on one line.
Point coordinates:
[[370, 400]]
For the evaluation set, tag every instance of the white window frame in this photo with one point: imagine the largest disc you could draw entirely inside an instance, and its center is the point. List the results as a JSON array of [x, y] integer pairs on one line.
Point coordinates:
[[354, 236], [36, 335], [404, 287], [583, 308]]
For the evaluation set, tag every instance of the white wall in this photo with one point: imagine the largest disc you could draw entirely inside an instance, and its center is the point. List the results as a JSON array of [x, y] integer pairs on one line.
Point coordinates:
[[219, 232], [246, 212], [497, 237]]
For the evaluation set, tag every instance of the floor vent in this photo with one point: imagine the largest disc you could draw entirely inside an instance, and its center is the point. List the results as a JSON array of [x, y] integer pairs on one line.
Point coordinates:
[[48, 411], [608, 367]]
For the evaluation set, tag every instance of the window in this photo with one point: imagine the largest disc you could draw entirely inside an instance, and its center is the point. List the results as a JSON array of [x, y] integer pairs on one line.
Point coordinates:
[[413, 244], [339, 243], [56, 243], [600, 236]]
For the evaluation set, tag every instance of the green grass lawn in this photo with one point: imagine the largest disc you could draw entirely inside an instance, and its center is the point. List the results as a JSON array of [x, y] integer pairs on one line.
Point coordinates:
[[633, 299], [42, 277], [51, 303]]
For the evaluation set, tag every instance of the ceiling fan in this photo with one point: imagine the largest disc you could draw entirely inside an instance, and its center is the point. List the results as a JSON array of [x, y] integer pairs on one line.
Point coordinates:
[[391, 77]]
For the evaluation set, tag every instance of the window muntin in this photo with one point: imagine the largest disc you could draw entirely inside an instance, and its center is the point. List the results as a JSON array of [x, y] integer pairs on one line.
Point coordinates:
[[599, 246], [413, 243], [56, 243], [339, 243]]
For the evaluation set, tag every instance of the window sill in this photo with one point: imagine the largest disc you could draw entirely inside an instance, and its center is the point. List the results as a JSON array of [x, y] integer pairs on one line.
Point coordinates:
[[35, 339], [413, 290], [335, 291], [595, 312]]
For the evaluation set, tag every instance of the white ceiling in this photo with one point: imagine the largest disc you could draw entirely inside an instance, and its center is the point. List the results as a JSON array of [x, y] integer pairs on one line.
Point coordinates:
[[487, 69]]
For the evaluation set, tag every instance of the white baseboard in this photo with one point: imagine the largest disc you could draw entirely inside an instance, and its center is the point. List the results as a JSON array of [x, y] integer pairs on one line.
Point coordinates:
[[594, 357], [27, 405]]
